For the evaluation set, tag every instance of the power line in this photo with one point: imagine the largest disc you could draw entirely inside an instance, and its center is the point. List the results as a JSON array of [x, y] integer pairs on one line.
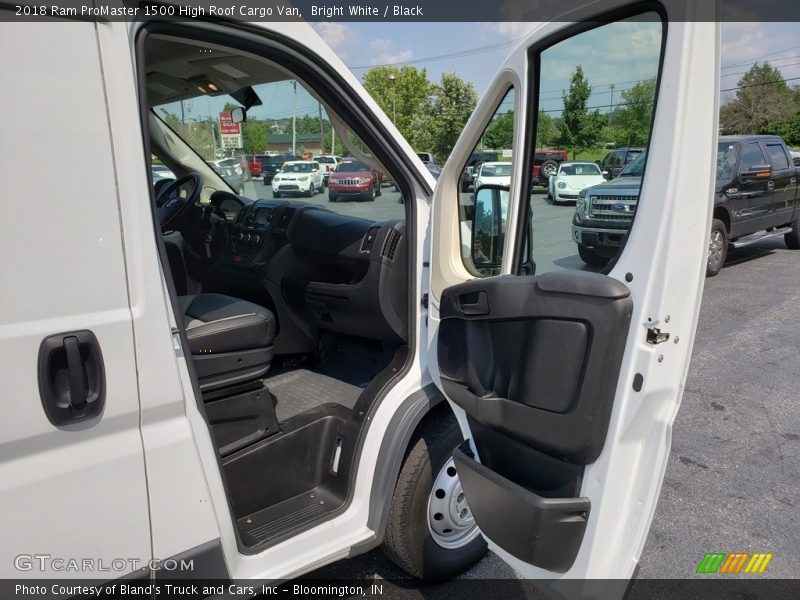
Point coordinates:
[[750, 60], [458, 54], [748, 70], [741, 87]]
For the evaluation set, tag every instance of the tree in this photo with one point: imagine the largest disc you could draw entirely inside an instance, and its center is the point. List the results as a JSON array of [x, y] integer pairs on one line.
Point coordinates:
[[762, 100], [580, 128], [546, 130], [405, 96], [631, 123], [448, 110], [500, 132]]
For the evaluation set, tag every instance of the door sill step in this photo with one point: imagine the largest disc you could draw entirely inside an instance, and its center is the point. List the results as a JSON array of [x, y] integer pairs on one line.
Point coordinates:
[[269, 523], [753, 238]]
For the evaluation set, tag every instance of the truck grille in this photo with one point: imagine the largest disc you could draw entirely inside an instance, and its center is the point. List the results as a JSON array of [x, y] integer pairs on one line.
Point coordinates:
[[347, 182], [612, 208]]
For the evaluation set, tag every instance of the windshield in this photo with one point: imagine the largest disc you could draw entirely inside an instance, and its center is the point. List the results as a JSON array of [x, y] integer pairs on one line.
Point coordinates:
[[352, 166], [325, 159], [496, 170], [297, 168], [726, 159], [580, 169], [636, 168]]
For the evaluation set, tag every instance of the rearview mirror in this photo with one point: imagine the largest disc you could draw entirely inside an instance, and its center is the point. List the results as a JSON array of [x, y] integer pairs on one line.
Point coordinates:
[[489, 228], [238, 115]]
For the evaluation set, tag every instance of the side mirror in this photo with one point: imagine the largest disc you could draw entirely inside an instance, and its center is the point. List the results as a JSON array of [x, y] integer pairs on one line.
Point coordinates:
[[606, 174], [489, 228], [756, 173], [238, 115]]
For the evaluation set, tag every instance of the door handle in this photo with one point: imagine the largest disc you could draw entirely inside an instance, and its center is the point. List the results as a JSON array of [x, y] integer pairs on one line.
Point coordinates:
[[474, 303], [71, 377]]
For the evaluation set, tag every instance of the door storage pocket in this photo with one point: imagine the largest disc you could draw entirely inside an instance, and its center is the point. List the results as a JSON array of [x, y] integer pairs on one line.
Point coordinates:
[[546, 532]]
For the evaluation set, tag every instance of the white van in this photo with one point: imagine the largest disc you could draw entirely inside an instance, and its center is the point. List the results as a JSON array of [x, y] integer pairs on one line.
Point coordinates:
[[260, 386]]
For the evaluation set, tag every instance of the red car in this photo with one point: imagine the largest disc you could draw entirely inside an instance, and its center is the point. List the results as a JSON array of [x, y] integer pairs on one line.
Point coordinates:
[[354, 179], [253, 163]]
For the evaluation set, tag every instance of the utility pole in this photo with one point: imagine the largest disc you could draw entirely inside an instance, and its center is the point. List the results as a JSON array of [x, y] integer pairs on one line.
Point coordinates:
[[321, 131], [611, 110], [294, 119]]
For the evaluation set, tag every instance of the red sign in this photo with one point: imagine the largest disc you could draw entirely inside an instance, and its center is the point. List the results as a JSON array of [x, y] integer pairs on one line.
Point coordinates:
[[227, 126]]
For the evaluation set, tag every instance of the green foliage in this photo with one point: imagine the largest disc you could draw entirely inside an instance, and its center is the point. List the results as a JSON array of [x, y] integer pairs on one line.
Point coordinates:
[[631, 124], [451, 105], [547, 128], [762, 101], [580, 128], [500, 132], [401, 99]]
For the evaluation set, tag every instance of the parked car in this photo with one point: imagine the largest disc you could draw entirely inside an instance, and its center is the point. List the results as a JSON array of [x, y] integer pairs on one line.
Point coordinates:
[[160, 172], [434, 170], [475, 159], [427, 158], [327, 163], [756, 197], [253, 164], [354, 179], [615, 161], [271, 164], [795, 157], [545, 164], [230, 169], [570, 179], [297, 177], [493, 173]]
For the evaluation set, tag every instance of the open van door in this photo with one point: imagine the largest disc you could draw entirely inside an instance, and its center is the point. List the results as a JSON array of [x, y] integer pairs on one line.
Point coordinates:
[[566, 382]]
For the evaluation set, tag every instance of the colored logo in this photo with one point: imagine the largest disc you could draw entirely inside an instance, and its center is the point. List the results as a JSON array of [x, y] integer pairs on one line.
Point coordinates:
[[736, 562], [618, 207]]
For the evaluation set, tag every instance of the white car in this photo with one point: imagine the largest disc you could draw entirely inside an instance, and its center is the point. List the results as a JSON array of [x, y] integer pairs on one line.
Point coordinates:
[[493, 173], [570, 179], [327, 163], [428, 410], [297, 177], [795, 157]]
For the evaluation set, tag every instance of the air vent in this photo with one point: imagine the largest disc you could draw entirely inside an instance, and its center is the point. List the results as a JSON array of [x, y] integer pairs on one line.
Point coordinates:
[[390, 245], [369, 239]]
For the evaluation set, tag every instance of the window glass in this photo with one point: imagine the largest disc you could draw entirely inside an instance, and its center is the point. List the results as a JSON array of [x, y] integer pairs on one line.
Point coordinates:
[[777, 157], [271, 154], [752, 156], [596, 90], [489, 166]]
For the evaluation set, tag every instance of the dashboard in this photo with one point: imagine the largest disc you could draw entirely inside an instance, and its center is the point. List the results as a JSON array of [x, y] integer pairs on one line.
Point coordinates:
[[323, 271]]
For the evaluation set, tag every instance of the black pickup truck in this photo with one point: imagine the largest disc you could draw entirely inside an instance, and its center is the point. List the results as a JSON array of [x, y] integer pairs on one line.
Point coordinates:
[[756, 197]]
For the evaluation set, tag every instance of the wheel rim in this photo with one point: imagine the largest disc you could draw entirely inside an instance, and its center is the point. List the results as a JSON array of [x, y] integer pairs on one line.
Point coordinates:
[[715, 244], [450, 519], [548, 169]]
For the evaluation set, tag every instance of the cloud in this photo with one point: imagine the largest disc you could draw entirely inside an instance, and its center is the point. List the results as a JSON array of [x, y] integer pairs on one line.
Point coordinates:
[[336, 35], [383, 54], [511, 30]]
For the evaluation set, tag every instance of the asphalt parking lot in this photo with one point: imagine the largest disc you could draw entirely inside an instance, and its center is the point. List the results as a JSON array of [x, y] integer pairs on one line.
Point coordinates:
[[733, 480]]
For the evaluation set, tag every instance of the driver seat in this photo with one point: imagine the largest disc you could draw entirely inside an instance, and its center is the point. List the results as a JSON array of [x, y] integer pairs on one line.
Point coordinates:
[[230, 339]]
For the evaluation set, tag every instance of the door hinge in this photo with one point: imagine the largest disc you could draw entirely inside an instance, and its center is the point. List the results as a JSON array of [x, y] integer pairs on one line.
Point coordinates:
[[424, 301], [656, 336]]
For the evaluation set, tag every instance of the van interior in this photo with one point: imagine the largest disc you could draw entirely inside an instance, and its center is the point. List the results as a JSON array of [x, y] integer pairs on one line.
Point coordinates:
[[296, 316]]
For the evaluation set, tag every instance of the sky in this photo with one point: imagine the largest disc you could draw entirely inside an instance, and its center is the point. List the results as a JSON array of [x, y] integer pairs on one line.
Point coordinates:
[[475, 51]]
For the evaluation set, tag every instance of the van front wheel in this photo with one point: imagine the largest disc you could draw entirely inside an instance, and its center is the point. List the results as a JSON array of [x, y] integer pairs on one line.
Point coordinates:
[[431, 533]]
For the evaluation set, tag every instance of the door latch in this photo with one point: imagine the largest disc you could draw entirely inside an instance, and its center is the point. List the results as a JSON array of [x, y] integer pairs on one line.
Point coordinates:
[[656, 336]]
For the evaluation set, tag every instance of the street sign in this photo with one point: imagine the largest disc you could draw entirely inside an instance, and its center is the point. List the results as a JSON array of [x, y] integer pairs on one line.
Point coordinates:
[[230, 133]]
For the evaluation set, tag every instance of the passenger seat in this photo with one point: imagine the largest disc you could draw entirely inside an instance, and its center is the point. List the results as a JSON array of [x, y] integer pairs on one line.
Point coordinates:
[[230, 339]]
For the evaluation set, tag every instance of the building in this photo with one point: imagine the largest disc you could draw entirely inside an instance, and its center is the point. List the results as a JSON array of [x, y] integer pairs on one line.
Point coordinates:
[[304, 142]]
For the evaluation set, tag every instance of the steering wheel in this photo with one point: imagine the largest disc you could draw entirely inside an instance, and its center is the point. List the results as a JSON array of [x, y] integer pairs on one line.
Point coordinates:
[[171, 206]]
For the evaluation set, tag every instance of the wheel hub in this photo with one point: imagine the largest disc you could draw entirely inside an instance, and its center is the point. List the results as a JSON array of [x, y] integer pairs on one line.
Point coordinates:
[[450, 519]]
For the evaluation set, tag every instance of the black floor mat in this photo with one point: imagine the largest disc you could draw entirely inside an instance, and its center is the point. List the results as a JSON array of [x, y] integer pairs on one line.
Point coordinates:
[[299, 390]]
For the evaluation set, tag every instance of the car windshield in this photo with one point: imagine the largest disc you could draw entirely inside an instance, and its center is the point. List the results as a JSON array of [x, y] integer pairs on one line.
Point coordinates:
[[297, 168], [325, 159], [496, 170], [726, 159], [581, 169], [636, 168], [352, 166]]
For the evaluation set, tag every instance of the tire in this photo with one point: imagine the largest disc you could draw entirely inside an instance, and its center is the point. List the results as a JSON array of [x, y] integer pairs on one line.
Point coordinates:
[[792, 238], [331, 197], [717, 248], [547, 168], [310, 191], [370, 197], [276, 194], [378, 190], [590, 257], [408, 541]]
